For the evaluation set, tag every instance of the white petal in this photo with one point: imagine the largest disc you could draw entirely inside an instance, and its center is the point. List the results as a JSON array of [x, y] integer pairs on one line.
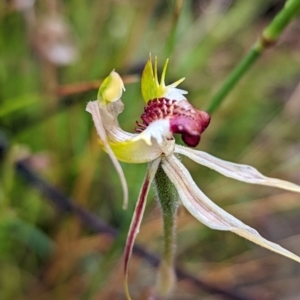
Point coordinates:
[[93, 109], [158, 130], [243, 173], [207, 212], [174, 93]]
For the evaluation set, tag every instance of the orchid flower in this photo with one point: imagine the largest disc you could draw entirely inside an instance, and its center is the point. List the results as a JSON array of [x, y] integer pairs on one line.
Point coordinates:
[[168, 112]]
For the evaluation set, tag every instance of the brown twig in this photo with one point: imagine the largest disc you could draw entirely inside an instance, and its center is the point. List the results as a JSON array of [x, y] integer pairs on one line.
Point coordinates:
[[80, 87]]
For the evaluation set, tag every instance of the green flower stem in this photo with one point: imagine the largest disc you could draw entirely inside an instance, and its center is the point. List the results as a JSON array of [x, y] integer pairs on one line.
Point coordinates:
[[168, 199], [268, 38], [169, 238]]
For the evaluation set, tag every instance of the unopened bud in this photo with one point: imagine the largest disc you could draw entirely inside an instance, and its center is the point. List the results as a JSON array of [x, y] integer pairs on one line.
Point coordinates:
[[111, 88]]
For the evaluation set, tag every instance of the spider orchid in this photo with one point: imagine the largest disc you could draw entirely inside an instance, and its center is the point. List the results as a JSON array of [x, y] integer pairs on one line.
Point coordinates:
[[168, 112]]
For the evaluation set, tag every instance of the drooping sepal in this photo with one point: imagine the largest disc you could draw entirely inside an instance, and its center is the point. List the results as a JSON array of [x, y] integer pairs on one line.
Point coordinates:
[[239, 172], [93, 107], [210, 214], [137, 219]]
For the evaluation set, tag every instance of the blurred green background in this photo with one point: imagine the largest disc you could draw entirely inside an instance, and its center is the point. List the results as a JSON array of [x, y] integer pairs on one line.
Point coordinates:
[[53, 55]]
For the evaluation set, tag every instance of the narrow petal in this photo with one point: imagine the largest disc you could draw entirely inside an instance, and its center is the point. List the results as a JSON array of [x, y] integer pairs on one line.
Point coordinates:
[[149, 82], [207, 212], [152, 88], [163, 75], [243, 173], [137, 218], [93, 109], [176, 83]]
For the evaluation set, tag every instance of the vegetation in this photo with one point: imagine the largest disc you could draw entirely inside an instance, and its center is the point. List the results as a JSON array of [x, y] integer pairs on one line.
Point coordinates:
[[54, 55]]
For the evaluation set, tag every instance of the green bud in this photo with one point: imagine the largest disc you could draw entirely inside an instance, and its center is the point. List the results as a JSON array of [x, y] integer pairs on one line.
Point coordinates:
[[111, 88]]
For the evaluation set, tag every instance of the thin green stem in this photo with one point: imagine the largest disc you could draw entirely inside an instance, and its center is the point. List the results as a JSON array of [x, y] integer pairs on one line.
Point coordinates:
[[283, 18], [268, 38], [233, 78]]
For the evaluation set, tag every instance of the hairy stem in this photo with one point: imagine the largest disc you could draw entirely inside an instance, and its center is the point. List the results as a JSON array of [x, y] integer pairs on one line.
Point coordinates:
[[267, 39], [168, 199]]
